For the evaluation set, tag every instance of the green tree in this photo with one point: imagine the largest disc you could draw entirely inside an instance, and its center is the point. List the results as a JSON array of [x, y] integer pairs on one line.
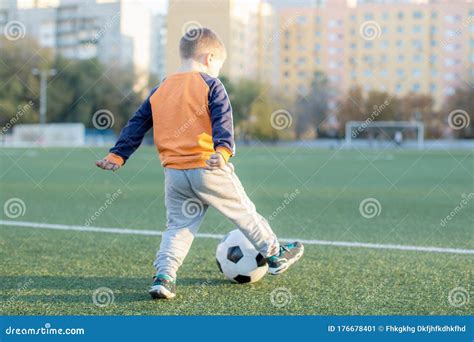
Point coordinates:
[[313, 108]]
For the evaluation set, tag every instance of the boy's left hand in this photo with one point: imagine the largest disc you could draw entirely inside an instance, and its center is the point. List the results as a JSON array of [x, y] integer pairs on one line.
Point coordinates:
[[216, 161]]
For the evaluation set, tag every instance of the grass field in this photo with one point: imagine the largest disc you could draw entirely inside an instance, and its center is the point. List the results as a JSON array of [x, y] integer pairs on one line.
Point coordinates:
[[54, 272]]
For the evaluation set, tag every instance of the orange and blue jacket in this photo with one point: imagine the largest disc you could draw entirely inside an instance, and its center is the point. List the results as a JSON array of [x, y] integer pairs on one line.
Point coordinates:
[[191, 117]]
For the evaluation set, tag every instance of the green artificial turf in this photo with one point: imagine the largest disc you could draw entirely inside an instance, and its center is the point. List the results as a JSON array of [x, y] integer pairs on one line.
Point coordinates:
[[56, 272]]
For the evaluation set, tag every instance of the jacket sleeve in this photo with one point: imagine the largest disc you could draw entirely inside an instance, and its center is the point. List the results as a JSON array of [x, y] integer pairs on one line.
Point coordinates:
[[132, 134], [221, 119]]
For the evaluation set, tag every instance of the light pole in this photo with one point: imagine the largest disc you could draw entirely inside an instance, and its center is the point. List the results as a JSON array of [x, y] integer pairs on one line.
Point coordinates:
[[43, 74]]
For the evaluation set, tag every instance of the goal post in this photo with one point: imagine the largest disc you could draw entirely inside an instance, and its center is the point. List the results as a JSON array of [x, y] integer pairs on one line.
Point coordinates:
[[50, 135], [385, 133]]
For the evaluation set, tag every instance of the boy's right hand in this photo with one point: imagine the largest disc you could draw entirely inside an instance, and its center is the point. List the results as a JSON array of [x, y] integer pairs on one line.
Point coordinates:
[[110, 162]]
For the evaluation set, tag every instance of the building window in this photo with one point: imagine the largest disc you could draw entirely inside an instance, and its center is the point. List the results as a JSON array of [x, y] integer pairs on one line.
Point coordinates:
[[400, 72], [449, 91], [416, 72], [417, 58], [417, 15], [400, 15], [333, 23], [433, 87], [398, 88], [367, 73], [416, 87], [417, 29], [368, 16], [301, 74], [301, 19], [385, 16], [418, 44], [400, 29], [449, 76], [384, 73], [400, 58], [399, 43], [368, 45]]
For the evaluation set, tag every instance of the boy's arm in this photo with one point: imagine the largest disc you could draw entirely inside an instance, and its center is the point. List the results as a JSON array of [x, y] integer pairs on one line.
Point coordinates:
[[130, 138], [222, 123]]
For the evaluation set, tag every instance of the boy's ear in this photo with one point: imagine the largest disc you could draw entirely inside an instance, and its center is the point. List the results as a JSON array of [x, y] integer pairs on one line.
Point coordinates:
[[208, 57]]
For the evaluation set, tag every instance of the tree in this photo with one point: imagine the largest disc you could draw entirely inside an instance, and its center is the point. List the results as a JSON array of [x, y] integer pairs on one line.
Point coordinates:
[[80, 88], [381, 106], [351, 107], [313, 108], [458, 111]]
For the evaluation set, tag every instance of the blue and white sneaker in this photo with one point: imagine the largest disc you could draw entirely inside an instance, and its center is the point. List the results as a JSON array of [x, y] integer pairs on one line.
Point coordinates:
[[163, 287], [287, 256]]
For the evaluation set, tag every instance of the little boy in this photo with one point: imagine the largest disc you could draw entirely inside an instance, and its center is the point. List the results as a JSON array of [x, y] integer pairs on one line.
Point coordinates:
[[191, 117]]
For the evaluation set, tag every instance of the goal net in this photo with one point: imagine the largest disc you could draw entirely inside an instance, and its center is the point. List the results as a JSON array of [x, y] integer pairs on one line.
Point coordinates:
[[384, 134], [54, 134]]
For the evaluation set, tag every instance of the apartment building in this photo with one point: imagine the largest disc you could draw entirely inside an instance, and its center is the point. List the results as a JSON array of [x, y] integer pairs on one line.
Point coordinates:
[[397, 46]]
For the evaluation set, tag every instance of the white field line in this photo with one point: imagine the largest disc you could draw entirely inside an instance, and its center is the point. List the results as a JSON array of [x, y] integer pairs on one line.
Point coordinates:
[[37, 225]]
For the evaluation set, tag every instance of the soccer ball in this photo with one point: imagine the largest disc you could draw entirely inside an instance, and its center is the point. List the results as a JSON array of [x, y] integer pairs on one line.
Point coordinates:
[[238, 259]]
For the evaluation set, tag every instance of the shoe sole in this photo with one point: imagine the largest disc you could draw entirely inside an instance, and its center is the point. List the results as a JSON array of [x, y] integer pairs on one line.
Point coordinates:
[[283, 268], [161, 292]]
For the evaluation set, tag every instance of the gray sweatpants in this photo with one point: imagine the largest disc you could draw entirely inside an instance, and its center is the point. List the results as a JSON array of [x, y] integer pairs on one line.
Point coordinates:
[[188, 194]]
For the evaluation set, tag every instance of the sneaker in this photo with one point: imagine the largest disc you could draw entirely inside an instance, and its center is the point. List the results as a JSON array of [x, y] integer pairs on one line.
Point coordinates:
[[288, 255], [163, 287]]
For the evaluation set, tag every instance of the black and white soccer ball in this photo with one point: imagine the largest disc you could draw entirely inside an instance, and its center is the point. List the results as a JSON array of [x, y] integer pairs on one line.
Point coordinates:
[[238, 259]]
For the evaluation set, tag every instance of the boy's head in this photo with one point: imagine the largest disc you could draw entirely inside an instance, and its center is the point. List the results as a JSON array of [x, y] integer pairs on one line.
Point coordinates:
[[204, 46]]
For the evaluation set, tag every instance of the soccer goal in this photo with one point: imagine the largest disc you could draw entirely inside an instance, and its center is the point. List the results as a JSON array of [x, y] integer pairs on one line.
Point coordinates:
[[385, 134]]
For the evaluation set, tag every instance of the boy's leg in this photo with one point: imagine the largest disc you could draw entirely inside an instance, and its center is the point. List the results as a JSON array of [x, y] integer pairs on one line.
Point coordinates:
[[223, 190], [184, 213]]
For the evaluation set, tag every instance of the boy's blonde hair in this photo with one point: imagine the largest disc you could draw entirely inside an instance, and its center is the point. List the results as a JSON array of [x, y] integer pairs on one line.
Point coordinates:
[[201, 40]]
